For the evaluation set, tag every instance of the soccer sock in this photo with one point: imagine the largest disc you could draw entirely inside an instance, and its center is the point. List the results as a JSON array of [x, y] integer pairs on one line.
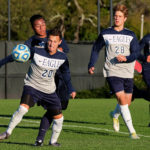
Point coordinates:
[[16, 118], [127, 117], [44, 126], [116, 112], [56, 129]]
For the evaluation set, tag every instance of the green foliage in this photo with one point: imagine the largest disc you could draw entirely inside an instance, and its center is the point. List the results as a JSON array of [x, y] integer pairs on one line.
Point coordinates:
[[66, 15], [139, 82], [87, 35], [103, 92]]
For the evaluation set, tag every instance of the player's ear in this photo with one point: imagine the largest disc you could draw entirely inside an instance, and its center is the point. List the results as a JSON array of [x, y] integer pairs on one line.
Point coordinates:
[[60, 42], [125, 19]]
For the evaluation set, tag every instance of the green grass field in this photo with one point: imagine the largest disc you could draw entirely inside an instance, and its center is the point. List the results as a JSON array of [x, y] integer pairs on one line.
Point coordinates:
[[87, 126]]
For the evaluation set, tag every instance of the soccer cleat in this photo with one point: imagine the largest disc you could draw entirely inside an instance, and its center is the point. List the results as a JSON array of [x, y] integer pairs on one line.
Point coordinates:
[[55, 144], [134, 136], [4, 135], [149, 125], [38, 143], [115, 122]]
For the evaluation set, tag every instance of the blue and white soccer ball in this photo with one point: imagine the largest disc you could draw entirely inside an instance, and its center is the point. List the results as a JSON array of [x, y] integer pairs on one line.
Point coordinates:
[[21, 53]]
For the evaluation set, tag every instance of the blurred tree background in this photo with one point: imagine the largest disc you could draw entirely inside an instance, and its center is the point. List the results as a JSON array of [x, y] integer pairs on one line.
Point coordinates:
[[77, 19]]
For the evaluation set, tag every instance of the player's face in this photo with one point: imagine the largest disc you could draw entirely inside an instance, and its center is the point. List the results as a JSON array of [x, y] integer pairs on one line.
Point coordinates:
[[39, 27], [53, 43], [119, 19]]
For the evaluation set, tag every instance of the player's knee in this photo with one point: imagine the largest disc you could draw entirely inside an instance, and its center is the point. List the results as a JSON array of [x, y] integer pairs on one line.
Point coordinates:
[[57, 116], [22, 110], [57, 124], [25, 105]]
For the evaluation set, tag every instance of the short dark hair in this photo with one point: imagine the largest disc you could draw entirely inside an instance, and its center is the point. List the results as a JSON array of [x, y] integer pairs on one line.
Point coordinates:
[[36, 17], [55, 32]]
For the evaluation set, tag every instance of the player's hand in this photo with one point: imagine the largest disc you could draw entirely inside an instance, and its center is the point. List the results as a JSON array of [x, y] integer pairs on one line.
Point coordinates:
[[91, 70], [121, 58], [148, 59], [73, 95]]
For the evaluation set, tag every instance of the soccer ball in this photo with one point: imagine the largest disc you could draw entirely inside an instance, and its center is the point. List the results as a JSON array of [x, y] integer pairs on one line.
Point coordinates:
[[21, 53]]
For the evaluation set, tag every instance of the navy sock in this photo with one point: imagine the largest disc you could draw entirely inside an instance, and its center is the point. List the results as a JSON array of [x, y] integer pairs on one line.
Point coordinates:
[[44, 126]]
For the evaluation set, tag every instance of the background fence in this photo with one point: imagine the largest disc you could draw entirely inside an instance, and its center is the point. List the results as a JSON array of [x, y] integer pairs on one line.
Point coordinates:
[[12, 75]]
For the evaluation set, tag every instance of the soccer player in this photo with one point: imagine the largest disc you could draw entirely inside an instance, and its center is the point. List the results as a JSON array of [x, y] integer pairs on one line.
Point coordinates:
[[145, 59], [122, 49], [39, 40], [39, 86], [38, 24]]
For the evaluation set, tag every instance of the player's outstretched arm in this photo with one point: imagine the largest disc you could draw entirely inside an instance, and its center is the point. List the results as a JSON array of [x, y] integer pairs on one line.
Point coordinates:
[[6, 60]]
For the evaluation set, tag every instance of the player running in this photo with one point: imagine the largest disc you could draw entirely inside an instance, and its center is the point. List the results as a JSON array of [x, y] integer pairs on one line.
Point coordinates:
[[122, 49], [39, 86]]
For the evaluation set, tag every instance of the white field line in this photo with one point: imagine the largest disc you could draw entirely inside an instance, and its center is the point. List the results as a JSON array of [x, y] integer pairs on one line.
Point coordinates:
[[76, 126]]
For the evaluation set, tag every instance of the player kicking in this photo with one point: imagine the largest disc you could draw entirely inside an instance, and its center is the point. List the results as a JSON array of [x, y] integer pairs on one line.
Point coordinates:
[[122, 49], [40, 88], [38, 40]]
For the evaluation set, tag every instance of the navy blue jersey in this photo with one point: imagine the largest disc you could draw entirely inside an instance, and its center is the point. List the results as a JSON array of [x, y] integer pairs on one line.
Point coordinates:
[[145, 45], [6, 60], [35, 41], [122, 42]]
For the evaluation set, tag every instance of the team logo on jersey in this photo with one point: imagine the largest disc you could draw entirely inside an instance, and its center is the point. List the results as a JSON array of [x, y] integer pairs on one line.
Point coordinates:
[[117, 39], [40, 45], [45, 62]]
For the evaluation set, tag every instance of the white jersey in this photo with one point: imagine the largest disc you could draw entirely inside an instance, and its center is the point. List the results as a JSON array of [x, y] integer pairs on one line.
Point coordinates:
[[43, 68], [117, 43]]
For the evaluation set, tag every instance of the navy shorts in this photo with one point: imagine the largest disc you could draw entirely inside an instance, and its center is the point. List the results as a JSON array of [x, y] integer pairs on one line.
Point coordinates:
[[118, 84], [30, 96]]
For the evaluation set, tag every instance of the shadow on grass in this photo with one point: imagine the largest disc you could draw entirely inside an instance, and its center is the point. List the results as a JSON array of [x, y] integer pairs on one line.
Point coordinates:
[[69, 121], [25, 117], [85, 122], [17, 143], [66, 121], [81, 131], [22, 127]]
